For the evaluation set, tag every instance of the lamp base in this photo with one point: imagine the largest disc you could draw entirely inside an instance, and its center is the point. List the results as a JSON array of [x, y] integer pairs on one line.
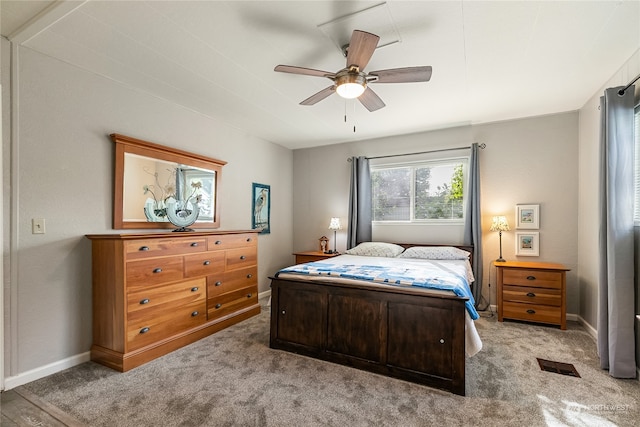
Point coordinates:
[[501, 260]]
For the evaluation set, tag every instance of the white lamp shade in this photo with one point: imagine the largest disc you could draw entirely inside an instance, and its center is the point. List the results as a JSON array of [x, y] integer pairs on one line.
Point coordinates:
[[335, 224], [499, 223]]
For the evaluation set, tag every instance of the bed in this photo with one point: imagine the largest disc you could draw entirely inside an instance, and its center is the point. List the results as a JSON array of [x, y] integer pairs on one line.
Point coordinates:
[[401, 310]]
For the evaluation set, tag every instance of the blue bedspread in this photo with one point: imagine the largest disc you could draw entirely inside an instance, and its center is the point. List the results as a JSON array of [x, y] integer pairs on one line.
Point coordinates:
[[433, 275]]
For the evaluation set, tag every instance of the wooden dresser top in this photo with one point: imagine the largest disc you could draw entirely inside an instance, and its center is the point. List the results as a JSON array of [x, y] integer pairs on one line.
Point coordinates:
[[531, 265]]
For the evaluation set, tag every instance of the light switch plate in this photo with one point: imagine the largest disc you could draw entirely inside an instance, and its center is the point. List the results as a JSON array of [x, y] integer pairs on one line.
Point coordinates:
[[37, 226]]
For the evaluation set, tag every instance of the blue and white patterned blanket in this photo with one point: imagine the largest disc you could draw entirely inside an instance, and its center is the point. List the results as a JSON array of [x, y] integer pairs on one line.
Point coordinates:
[[432, 274]]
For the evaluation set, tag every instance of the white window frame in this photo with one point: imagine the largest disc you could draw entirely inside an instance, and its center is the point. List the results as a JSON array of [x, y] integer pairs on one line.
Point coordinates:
[[420, 164]]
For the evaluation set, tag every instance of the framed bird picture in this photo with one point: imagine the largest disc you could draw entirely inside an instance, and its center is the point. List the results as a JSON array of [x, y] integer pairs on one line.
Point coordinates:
[[261, 208]]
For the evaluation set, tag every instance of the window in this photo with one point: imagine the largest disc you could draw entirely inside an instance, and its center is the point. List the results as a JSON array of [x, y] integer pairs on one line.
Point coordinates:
[[419, 192], [636, 210]]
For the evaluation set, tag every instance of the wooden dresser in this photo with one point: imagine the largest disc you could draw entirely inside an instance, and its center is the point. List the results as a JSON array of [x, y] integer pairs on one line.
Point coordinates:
[[532, 291], [156, 292]]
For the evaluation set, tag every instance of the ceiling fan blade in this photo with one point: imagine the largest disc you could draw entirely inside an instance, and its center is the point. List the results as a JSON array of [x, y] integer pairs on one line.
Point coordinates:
[[317, 97], [361, 48], [370, 100], [304, 71], [402, 75]]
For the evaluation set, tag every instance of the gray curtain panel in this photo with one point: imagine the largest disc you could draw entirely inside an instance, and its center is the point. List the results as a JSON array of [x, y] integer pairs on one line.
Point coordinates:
[[359, 229], [616, 339], [472, 227]]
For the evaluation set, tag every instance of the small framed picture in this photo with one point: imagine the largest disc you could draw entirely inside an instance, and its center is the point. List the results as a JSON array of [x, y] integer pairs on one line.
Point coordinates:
[[528, 217], [261, 208], [527, 243]]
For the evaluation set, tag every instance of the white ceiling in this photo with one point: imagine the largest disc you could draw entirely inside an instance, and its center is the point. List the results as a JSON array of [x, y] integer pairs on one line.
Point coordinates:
[[492, 60]]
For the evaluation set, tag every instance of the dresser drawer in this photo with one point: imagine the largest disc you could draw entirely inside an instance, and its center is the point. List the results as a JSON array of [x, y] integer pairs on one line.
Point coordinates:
[[155, 271], [533, 278], [532, 312], [153, 301], [204, 264], [230, 302], [149, 248], [241, 258], [231, 241], [148, 330], [541, 296], [231, 281]]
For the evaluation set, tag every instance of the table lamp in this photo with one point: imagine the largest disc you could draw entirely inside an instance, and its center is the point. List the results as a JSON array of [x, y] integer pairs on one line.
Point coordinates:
[[499, 224], [335, 226]]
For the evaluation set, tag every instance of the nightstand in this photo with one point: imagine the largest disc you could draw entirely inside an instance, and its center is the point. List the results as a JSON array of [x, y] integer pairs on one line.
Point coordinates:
[[532, 291], [310, 256]]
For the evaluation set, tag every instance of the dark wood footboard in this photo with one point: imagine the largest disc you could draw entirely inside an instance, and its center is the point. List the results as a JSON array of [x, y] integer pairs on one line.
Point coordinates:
[[399, 332]]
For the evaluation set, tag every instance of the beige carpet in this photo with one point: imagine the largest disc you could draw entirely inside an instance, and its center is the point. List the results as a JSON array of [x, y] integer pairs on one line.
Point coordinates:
[[233, 378]]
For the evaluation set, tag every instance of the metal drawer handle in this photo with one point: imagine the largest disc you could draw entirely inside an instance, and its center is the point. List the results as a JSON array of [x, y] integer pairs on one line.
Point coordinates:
[[242, 257], [531, 311], [248, 239], [194, 314], [531, 277], [284, 312], [249, 295], [144, 330], [143, 248], [441, 340], [249, 276], [144, 301], [218, 283], [194, 244], [206, 263], [157, 270], [194, 289], [218, 242], [531, 294], [218, 305]]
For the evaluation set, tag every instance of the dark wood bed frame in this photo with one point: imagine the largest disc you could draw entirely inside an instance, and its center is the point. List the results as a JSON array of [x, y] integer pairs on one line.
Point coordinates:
[[399, 332]]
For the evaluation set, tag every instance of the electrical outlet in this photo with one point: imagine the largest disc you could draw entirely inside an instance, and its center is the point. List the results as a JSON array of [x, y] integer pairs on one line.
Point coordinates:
[[37, 226]]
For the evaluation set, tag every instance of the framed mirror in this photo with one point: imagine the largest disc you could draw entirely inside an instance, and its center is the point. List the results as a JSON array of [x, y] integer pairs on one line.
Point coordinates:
[[149, 177]]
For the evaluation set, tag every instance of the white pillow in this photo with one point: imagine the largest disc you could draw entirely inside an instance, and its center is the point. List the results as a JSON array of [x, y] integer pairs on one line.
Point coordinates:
[[434, 252], [380, 249]]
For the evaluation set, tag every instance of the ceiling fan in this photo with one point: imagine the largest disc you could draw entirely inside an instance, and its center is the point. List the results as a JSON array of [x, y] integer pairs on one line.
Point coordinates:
[[352, 82]]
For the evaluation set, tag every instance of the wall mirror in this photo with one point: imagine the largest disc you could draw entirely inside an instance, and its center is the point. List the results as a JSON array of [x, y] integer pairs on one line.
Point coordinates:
[[148, 176]]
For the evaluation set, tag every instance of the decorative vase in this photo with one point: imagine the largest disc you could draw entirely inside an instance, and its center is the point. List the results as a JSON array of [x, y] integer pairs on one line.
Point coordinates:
[[182, 213]]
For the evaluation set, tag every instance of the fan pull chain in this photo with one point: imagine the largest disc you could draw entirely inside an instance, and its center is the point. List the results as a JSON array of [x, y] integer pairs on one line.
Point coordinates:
[[345, 113], [354, 114]]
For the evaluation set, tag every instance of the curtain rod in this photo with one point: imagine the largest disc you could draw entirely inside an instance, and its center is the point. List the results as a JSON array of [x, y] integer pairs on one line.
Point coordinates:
[[621, 91], [482, 146]]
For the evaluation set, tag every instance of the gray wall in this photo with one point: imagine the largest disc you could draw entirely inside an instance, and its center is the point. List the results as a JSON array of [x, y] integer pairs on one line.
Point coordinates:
[[64, 173], [530, 161]]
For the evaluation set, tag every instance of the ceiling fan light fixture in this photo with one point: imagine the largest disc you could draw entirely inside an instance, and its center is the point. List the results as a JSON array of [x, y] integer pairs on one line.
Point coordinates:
[[350, 90], [352, 82], [350, 85]]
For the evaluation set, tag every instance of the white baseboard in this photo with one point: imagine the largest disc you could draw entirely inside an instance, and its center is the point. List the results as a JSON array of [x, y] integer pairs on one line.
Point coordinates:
[[264, 294], [45, 371], [590, 329], [52, 368]]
